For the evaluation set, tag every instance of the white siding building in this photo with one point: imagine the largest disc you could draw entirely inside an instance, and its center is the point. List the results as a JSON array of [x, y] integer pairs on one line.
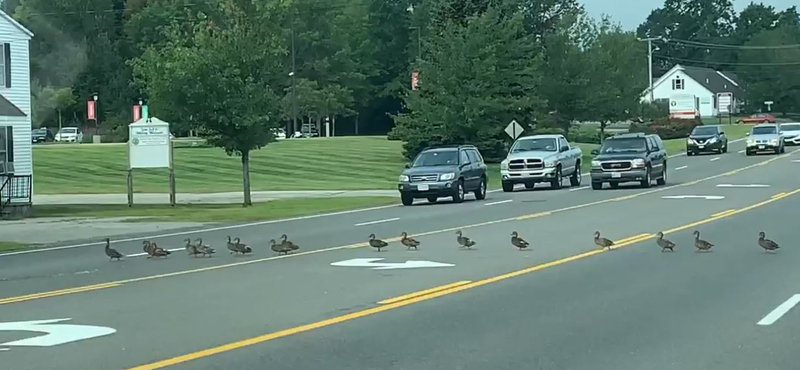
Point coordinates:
[[707, 86], [15, 112]]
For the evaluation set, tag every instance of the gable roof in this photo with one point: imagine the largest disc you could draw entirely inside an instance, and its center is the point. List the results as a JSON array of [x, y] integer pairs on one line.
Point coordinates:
[[715, 81], [8, 109], [15, 23]]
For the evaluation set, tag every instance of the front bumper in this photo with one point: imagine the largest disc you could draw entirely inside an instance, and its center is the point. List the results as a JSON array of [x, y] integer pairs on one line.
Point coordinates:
[[66, 139], [428, 189], [634, 174], [792, 140], [697, 148], [528, 176], [752, 148]]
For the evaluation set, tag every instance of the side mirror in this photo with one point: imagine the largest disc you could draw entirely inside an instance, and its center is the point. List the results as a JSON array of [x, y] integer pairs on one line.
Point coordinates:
[[747, 134], [722, 133], [408, 165], [564, 148], [595, 152]]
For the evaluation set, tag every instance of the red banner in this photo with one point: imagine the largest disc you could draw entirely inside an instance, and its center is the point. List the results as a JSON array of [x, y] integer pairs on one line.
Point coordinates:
[[137, 113], [414, 80], [91, 113]]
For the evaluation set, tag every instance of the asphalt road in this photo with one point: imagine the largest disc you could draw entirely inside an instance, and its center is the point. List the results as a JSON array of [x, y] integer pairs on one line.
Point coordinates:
[[562, 305]]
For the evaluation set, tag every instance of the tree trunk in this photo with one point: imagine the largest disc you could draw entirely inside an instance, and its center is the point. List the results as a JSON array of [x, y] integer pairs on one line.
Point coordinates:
[[602, 132], [246, 178]]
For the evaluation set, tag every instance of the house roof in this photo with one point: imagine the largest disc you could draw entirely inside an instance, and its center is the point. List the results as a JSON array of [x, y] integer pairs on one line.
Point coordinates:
[[714, 81], [15, 23], [8, 109]]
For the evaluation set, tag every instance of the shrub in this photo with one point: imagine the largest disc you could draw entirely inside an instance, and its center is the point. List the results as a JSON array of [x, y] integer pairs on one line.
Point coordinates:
[[586, 134], [668, 128]]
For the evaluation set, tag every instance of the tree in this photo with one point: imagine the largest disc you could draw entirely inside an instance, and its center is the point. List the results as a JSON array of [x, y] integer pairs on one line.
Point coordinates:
[[779, 80], [223, 80], [49, 101]]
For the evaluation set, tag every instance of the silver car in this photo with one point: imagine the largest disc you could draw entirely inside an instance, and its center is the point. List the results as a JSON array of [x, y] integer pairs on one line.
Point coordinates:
[[791, 133], [765, 138]]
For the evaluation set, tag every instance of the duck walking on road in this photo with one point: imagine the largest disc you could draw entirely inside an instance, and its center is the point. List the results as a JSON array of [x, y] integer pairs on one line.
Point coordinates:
[[664, 243], [463, 241], [603, 243], [768, 245], [157, 251], [518, 242], [191, 248], [111, 252], [288, 244], [376, 243], [409, 242], [203, 249], [279, 248], [241, 247], [700, 244]]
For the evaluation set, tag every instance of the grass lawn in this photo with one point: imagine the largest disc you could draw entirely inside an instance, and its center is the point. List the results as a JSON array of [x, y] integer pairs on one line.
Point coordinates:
[[277, 209], [10, 246]]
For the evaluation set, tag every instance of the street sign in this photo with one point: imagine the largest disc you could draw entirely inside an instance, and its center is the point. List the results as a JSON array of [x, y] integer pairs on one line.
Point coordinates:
[[375, 265], [514, 129], [725, 103], [769, 103], [55, 333]]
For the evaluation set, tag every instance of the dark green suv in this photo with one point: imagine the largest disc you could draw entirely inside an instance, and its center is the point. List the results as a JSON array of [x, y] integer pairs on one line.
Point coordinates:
[[443, 172]]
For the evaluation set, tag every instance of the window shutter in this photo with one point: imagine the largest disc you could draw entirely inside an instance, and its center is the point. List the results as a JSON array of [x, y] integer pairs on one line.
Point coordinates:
[[10, 143], [7, 59]]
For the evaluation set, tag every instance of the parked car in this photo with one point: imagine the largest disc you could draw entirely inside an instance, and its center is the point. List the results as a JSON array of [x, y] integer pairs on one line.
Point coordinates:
[[764, 138], [41, 135], [758, 118], [448, 171], [790, 132], [630, 157], [706, 139], [70, 135], [541, 158]]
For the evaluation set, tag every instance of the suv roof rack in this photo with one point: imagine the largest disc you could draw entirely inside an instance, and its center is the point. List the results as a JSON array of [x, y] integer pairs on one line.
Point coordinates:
[[629, 134], [448, 146]]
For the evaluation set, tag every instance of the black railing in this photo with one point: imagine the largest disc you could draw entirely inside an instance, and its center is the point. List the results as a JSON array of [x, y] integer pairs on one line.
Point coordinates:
[[15, 189]]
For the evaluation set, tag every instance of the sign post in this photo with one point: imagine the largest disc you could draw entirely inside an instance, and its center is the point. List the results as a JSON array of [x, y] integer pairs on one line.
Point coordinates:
[[150, 146]]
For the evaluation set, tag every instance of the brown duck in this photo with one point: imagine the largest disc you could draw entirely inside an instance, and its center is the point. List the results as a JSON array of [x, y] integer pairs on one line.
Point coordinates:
[[463, 241], [111, 252], [376, 243], [241, 247], [409, 242], [156, 251], [203, 249], [768, 245], [700, 244], [664, 243], [603, 243], [285, 242], [518, 242], [191, 248], [280, 248]]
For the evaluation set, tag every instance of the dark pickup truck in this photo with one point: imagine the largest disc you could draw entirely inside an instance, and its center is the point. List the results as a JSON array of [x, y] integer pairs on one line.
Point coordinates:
[[630, 158]]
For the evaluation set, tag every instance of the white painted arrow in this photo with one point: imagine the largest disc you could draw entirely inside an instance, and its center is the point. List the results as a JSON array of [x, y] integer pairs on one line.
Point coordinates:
[[56, 334], [742, 186], [707, 197], [373, 262]]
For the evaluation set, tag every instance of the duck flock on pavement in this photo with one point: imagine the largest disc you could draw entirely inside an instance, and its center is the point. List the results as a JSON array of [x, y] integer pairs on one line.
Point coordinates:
[[236, 247]]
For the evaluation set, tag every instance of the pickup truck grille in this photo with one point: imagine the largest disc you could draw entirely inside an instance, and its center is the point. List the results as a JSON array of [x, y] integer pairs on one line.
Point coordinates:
[[423, 178], [526, 164], [617, 166]]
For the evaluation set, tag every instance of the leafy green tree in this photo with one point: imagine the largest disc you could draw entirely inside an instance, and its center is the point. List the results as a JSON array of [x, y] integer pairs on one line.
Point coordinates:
[[779, 81]]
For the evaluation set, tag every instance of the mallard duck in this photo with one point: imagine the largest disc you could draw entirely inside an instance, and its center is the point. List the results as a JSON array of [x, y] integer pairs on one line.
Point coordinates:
[[203, 249], [241, 247], [285, 242], [463, 241], [701, 245], [768, 245], [603, 243], [518, 242], [376, 243], [664, 243], [158, 251], [111, 252], [279, 248], [409, 242], [232, 246]]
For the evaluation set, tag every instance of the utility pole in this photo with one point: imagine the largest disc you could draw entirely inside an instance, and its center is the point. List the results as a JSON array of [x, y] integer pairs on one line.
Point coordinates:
[[650, 64], [294, 85]]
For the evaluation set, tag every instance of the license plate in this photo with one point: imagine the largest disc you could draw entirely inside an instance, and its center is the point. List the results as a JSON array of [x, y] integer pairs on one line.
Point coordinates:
[[760, 147], [616, 175], [423, 187], [701, 146]]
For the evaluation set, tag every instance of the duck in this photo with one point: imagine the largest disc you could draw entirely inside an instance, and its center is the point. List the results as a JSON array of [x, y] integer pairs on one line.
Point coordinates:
[[157, 251], [288, 243], [768, 245], [232, 246], [279, 248], [463, 241], [603, 243], [701, 245], [518, 242], [111, 252], [146, 245], [409, 242], [376, 243], [664, 243], [191, 248], [241, 247], [203, 249]]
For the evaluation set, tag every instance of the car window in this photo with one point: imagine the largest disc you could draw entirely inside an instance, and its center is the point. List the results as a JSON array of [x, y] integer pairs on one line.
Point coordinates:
[[473, 156], [791, 127], [437, 158], [562, 143], [764, 130], [704, 130], [627, 145], [478, 155], [464, 157], [69, 130], [538, 144]]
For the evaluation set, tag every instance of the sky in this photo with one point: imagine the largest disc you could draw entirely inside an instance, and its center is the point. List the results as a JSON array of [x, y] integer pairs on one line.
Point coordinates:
[[631, 13]]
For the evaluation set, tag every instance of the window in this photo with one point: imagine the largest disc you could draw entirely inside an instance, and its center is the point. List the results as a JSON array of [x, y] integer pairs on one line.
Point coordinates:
[[436, 158], [6, 148], [5, 65], [535, 144], [678, 84], [464, 158], [477, 155], [473, 156], [562, 143]]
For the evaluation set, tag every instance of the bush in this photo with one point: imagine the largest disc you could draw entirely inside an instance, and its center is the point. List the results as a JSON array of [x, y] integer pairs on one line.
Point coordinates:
[[668, 128], [587, 134]]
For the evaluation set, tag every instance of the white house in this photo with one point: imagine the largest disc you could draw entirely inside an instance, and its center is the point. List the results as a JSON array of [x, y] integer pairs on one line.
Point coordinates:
[[713, 92], [16, 162]]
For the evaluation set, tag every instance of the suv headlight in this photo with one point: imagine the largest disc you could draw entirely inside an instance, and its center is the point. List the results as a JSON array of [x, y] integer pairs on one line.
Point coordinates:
[[638, 163], [750, 142], [447, 176], [595, 163], [403, 178], [774, 141], [549, 164], [504, 165], [712, 140], [689, 141]]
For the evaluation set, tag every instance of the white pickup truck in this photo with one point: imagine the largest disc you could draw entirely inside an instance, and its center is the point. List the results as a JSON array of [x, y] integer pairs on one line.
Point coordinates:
[[541, 158]]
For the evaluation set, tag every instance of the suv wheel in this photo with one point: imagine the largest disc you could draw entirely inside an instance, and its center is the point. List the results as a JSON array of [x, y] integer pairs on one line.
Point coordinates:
[[647, 179], [508, 187], [596, 185], [663, 179], [480, 194], [575, 179], [556, 183], [407, 199], [725, 148], [458, 196], [433, 199]]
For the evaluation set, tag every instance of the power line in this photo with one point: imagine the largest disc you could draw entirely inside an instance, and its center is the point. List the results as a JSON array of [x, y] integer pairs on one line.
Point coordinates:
[[708, 45], [785, 64]]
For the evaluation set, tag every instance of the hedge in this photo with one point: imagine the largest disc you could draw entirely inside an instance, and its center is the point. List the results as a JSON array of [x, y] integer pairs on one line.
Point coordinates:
[[668, 128]]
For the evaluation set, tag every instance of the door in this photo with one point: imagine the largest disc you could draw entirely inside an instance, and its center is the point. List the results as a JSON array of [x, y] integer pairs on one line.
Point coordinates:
[[657, 156], [478, 167], [567, 163], [467, 170]]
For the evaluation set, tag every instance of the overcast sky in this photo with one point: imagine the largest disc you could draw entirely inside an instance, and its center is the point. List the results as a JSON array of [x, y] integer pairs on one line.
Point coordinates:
[[631, 13]]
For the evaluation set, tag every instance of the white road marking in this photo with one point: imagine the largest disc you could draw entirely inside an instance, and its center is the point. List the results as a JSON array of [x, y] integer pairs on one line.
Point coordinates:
[[742, 186], [144, 254], [375, 265], [195, 231], [796, 160], [715, 159], [55, 333], [681, 168], [741, 151], [779, 311], [580, 188], [499, 202], [377, 222], [707, 197]]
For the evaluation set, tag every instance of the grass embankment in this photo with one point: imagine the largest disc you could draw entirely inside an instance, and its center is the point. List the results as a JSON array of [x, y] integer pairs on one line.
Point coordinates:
[[11, 246]]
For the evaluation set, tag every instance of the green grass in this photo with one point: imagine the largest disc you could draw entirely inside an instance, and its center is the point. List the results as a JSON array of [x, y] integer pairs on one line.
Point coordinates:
[[277, 209], [10, 246]]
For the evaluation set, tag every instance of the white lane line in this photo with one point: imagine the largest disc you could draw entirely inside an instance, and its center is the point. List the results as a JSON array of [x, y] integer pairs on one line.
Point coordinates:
[[580, 188], [377, 222], [742, 186], [796, 160], [781, 310], [499, 202], [715, 159], [741, 151], [681, 168], [707, 197], [195, 231]]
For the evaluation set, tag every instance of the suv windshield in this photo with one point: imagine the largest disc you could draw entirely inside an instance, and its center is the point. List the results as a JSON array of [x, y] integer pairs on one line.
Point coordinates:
[[766, 130], [39, 131], [700, 130], [437, 158], [69, 130], [541, 144], [627, 145], [792, 127]]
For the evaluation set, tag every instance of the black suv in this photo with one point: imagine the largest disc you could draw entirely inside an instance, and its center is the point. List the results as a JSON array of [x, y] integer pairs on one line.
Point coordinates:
[[706, 139], [630, 157], [449, 171]]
